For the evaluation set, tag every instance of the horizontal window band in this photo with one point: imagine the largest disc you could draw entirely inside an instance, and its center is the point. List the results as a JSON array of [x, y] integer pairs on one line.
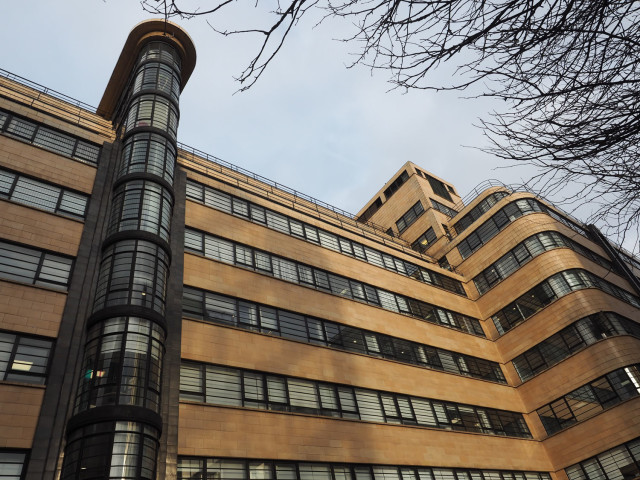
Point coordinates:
[[34, 266], [25, 358], [590, 399], [571, 340], [213, 307], [221, 385], [298, 273], [190, 468], [504, 217], [410, 217], [530, 248], [298, 229], [424, 241], [480, 209], [34, 192], [551, 289], [620, 462], [442, 208], [49, 138], [14, 461]]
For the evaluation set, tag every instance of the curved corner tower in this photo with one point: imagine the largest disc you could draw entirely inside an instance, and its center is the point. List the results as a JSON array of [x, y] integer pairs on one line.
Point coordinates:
[[117, 419]]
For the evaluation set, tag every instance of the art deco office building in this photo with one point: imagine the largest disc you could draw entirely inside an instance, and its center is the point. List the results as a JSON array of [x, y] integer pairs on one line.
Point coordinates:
[[166, 315]]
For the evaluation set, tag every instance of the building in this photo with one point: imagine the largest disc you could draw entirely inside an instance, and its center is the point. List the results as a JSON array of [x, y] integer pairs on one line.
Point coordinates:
[[164, 314]]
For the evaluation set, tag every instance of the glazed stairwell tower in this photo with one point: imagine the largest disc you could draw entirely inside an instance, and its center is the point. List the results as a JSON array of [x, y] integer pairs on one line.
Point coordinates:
[[117, 423]]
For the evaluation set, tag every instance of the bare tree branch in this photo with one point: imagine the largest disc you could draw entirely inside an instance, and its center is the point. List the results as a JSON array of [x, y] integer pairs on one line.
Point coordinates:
[[568, 71]]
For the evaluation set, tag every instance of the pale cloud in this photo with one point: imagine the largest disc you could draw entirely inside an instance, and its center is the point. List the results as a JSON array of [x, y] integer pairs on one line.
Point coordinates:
[[334, 133]]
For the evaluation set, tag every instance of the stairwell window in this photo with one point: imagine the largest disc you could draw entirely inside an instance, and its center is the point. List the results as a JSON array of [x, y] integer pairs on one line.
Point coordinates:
[[410, 217]]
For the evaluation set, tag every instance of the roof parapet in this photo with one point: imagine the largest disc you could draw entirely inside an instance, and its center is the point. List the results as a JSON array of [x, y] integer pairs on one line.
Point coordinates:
[[141, 34]]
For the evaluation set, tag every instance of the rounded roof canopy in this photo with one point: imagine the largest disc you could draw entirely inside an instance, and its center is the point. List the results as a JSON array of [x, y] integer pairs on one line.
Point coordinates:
[[141, 34]]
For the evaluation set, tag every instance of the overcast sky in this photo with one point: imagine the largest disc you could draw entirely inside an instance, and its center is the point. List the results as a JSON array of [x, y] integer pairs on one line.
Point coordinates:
[[309, 123]]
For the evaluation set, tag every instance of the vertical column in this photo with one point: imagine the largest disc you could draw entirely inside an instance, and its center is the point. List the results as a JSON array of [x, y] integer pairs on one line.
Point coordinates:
[[116, 424]]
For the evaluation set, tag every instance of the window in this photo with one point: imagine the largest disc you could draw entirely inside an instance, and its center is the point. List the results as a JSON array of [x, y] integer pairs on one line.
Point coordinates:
[[290, 271], [48, 138], [438, 187], [156, 76], [425, 240], [232, 386], [35, 267], [230, 311], [24, 358], [448, 211], [476, 212], [290, 226], [152, 111], [132, 272], [122, 364], [409, 217], [152, 153], [190, 468], [621, 462], [121, 449], [515, 210], [12, 464], [395, 185], [141, 205], [552, 288], [590, 399], [162, 52], [369, 212], [27, 191], [497, 223]]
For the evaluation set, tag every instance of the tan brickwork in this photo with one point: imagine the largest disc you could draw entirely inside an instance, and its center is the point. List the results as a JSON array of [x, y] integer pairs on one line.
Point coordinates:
[[263, 238], [245, 433], [536, 271], [37, 228], [227, 346], [43, 108], [593, 362], [558, 315], [46, 165], [221, 345], [297, 207], [330, 222], [19, 410], [30, 309], [556, 260], [606, 430], [242, 429], [401, 201], [228, 280]]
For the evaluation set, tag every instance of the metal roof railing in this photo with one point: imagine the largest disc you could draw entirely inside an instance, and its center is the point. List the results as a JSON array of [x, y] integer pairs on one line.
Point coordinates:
[[296, 199], [477, 190], [46, 90], [52, 102], [486, 184]]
